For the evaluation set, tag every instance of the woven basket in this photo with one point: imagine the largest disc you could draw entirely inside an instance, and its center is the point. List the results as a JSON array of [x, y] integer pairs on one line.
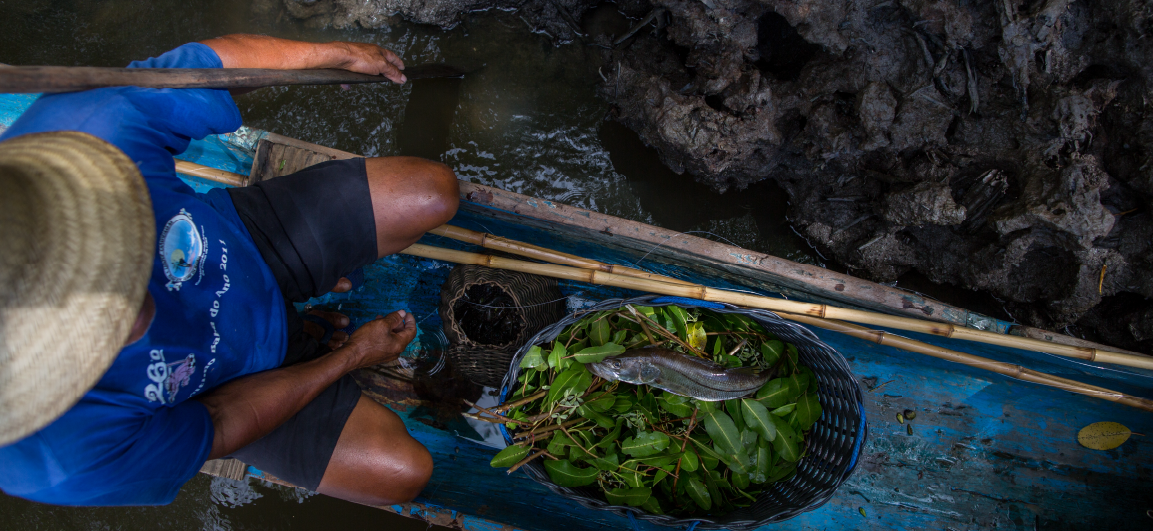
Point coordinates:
[[539, 302], [834, 443]]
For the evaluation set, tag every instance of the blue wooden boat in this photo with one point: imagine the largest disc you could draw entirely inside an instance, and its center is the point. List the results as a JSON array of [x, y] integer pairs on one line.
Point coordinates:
[[985, 451]]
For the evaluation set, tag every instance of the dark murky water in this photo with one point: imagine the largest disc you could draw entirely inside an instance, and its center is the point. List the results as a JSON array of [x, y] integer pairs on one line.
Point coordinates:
[[527, 121]]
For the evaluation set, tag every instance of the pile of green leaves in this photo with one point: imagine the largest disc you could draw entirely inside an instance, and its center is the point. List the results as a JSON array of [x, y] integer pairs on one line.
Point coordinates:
[[649, 448]]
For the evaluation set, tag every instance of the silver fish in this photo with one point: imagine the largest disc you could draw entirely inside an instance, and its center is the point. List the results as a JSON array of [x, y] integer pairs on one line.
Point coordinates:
[[680, 374]]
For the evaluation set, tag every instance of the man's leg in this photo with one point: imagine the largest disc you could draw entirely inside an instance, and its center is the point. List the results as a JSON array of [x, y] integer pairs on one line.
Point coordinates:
[[376, 461], [410, 196]]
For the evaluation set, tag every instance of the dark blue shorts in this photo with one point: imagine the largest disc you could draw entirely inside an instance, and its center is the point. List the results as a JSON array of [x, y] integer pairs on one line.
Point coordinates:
[[312, 227]]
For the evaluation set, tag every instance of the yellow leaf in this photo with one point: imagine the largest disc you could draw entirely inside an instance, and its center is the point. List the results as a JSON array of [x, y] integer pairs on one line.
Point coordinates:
[[697, 337], [1103, 435]]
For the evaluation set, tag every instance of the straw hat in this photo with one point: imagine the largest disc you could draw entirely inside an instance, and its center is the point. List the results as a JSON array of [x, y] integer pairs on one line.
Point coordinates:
[[76, 238]]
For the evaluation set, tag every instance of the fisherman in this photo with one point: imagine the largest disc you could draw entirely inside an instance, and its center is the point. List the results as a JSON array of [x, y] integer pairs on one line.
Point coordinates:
[[146, 328]]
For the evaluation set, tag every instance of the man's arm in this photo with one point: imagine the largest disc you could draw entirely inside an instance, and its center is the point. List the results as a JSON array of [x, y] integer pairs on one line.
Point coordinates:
[[248, 408], [258, 51]]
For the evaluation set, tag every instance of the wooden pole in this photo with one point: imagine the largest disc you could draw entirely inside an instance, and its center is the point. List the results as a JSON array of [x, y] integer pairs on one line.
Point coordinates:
[[805, 316], [595, 276], [33, 79]]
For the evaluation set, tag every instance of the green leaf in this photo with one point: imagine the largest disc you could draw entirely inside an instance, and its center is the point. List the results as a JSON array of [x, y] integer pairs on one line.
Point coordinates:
[[576, 380], [689, 460], [723, 431], [601, 403], [733, 408], [598, 418], [509, 456], [634, 497], [764, 462], [791, 350], [599, 332], [705, 406], [633, 479], [558, 443], [785, 409], [771, 351], [808, 411], [619, 337], [556, 357], [699, 494], [532, 359], [798, 383], [756, 416], [786, 442], [653, 506], [730, 362], [718, 346], [565, 474], [609, 438], [608, 462], [740, 481], [774, 394], [598, 354], [645, 444], [623, 404], [678, 410], [680, 321]]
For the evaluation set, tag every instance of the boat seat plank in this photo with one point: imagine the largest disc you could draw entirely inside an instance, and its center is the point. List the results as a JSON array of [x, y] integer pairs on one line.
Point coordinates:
[[225, 468]]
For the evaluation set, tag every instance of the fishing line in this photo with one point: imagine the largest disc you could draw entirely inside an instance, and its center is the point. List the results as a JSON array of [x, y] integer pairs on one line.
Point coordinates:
[[678, 234]]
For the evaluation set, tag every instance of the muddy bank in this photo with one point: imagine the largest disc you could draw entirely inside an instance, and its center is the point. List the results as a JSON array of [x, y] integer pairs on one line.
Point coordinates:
[[995, 146]]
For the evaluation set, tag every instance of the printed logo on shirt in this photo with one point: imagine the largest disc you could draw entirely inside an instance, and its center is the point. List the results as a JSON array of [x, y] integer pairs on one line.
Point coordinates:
[[168, 378], [181, 249]]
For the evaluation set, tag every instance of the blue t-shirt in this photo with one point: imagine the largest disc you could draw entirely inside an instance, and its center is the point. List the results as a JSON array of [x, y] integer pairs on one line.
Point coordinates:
[[136, 437]]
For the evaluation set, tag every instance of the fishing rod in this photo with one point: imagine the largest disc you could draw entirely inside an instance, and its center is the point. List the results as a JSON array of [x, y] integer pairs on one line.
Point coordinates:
[[51, 79]]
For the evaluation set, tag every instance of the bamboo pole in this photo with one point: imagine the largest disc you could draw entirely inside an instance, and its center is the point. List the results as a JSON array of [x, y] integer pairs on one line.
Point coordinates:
[[210, 173], [496, 243], [596, 276], [608, 279], [1007, 369], [490, 241]]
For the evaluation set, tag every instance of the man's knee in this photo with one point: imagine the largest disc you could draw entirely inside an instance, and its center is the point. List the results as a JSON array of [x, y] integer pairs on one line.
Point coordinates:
[[415, 475], [444, 188]]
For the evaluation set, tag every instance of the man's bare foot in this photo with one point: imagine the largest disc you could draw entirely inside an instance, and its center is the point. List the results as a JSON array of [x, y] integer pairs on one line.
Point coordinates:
[[337, 320]]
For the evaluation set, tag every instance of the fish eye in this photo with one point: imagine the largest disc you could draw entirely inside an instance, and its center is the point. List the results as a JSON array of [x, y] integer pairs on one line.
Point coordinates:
[[616, 364]]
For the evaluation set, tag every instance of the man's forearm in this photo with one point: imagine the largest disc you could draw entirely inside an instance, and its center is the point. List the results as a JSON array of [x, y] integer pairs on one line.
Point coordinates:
[[248, 408], [259, 51]]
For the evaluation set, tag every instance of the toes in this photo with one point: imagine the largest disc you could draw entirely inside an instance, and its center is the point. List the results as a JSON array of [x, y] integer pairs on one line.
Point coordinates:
[[338, 320], [338, 340], [344, 285]]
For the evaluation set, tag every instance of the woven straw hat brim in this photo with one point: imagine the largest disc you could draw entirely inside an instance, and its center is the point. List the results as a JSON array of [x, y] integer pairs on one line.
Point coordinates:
[[76, 242]]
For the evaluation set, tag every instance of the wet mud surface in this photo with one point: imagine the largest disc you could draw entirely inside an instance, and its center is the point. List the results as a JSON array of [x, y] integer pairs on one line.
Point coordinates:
[[994, 146]]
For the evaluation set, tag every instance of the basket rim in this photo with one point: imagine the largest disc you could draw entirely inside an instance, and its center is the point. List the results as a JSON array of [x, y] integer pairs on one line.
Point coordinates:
[[535, 470]]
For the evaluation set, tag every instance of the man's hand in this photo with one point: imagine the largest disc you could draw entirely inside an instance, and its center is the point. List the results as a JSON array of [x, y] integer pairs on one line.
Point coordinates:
[[381, 340], [259, 51], [367, 59]]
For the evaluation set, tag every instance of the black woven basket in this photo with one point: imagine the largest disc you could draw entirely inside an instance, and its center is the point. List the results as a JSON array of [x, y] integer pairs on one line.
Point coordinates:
[[834, 443], [539, 302]]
